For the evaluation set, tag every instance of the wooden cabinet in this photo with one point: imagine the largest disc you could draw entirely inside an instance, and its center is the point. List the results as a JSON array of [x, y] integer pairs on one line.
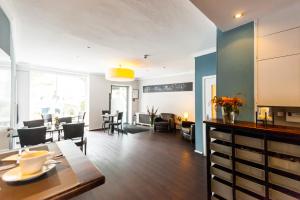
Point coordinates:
[[246, 161], [278, 81], [278, 58]]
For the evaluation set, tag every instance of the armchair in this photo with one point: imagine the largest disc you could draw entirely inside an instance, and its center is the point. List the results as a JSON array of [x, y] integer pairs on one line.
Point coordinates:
[[188, 130], [166, 121]]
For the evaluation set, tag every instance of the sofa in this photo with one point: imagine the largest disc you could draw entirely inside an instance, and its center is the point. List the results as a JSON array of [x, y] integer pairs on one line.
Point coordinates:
[[165, 122]]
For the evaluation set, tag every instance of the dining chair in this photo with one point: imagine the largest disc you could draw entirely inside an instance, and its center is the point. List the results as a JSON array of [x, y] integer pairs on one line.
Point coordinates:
[[75, 132], [33, 136], [81, 116], [47, 118], [34, 123], [118, 123], [65, 120], [105, 119]]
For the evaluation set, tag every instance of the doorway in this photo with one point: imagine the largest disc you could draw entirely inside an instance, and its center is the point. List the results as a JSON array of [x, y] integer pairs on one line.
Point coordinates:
[[120, 100], [209, 91]]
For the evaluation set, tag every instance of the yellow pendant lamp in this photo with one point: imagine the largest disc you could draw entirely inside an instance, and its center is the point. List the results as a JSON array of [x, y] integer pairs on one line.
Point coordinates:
[[120, 74]]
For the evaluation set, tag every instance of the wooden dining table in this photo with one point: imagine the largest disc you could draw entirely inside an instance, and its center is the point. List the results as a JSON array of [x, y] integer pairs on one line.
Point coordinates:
[[111, 118], [74, 175]]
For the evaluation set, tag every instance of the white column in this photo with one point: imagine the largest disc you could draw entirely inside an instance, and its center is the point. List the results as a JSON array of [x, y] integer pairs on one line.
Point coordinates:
[[13, 105]]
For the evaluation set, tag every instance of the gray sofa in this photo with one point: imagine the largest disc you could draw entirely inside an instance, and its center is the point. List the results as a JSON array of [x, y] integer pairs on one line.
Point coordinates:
[[165, 122]]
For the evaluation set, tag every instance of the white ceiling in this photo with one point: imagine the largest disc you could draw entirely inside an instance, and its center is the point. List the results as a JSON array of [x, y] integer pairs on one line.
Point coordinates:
[[57, 33], [221, 12]]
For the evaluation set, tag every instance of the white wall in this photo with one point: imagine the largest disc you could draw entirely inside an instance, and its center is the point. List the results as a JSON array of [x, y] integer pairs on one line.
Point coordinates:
[[278, 58], [23, 96], [169, 102], [99, 89]]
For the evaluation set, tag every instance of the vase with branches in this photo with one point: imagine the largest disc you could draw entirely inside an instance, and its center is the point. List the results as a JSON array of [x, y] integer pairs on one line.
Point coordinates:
[[152, 113]]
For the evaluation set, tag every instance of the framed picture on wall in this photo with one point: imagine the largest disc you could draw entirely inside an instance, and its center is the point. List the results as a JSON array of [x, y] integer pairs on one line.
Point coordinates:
[[135, 93]]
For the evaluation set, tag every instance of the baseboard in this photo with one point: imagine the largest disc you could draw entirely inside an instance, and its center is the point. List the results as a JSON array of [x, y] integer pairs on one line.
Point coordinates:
[[196, 151], [97, 129]]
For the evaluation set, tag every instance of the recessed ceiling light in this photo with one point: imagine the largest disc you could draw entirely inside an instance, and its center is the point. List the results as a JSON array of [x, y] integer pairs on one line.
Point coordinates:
[[88, 47], [238, 15]]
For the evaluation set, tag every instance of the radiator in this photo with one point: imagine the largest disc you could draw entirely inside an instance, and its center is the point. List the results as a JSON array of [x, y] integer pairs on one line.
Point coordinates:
[[142, 119]]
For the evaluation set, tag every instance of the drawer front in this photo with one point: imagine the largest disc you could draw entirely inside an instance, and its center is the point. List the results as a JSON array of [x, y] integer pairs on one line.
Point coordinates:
[[221, 135], [220, 189], [285, 182], [250, 156], [242, 196], [250, 171], [284, 148], [275, 195], [224, 162], [249, 141], [221, 148], [221, 174], [251, 186], [285, 165]]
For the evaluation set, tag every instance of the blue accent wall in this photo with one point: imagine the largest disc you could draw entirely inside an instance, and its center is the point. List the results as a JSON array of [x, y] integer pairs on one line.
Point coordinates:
[[235, 66], [4, 32], [204, 66]]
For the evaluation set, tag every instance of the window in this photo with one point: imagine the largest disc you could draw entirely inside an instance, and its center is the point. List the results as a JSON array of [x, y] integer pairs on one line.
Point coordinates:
[[4, 96], [57, 94]]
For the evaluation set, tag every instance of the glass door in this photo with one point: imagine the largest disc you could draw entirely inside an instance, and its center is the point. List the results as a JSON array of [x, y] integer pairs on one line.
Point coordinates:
[[119, 100]]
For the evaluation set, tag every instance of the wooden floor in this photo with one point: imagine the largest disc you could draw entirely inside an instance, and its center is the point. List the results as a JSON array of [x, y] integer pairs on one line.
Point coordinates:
[[146, 166]]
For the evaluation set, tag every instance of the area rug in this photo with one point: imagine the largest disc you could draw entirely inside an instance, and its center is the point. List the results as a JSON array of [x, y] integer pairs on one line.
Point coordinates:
[[135, 129]]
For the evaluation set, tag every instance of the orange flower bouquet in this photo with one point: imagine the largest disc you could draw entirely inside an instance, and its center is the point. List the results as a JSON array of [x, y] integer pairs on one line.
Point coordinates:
[[230, 107]]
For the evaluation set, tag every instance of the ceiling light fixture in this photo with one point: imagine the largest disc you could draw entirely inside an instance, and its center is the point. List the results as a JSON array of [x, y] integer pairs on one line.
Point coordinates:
[[120, 74], [238, 15]]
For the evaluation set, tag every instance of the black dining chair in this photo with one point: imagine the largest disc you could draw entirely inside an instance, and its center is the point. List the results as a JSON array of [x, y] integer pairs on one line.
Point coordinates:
[[81, 116], [34, 123], [33, 136], [66, 120], [47, 118], [75, 132], [105, 120], [118, 123]]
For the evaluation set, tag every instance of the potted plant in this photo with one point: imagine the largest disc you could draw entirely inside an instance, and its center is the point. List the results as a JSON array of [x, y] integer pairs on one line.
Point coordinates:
[[230, 107], [152, 113]]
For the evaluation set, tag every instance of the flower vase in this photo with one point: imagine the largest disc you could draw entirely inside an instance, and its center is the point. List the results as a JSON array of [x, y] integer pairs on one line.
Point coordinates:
[[228, 116], [152, 120]]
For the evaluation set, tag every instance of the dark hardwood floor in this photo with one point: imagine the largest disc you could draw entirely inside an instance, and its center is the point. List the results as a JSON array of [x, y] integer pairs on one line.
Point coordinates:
[[146, 166]]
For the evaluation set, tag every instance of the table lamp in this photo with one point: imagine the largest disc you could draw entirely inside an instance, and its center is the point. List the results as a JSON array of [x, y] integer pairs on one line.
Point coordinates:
[[185, 116]]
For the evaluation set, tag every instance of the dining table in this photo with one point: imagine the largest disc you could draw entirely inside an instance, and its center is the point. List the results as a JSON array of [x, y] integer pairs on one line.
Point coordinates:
[[73, 175], [111, 118]]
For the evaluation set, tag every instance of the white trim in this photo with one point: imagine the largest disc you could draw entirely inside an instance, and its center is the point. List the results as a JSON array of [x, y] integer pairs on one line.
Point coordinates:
[[168, 75], [203, 111], [5, 65], [205, 52], [255, 65], [30, 67], [196, 151]]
